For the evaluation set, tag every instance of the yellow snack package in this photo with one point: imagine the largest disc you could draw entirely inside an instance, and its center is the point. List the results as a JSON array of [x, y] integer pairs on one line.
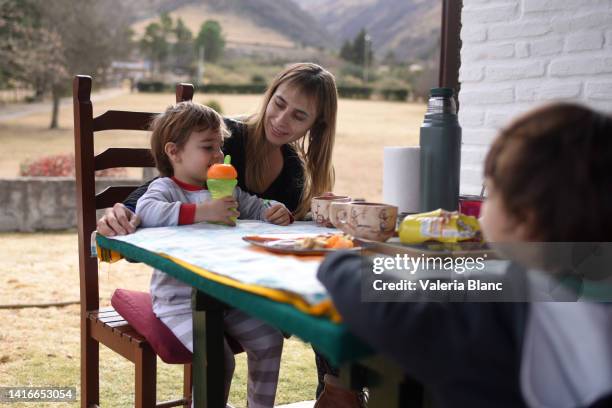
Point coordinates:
[[438, 225]]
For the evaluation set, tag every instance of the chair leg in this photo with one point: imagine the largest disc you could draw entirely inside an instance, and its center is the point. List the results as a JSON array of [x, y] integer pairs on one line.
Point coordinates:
[[146, 375], [90, 371], [187, 385]]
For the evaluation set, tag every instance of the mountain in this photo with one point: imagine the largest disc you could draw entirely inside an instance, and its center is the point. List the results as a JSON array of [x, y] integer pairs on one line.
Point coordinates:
[[283, 16], [251, 22], [408, 28]]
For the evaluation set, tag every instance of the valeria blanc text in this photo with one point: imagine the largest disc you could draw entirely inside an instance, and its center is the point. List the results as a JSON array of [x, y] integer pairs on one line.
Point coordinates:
[[437, 285], [412, 264]]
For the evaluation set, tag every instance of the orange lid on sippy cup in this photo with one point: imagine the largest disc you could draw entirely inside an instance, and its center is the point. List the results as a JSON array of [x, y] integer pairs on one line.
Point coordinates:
[[224, 171]]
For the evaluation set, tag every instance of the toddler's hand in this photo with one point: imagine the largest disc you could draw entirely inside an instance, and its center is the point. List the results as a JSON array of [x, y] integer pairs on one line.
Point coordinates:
[[278, 214], [218, 210]]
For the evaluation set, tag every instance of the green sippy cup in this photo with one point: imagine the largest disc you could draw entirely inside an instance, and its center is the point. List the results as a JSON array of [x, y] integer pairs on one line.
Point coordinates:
[[221, 180]]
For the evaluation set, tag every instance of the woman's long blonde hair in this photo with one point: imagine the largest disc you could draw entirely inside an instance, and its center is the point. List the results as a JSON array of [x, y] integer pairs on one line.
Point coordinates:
[[315, 153]]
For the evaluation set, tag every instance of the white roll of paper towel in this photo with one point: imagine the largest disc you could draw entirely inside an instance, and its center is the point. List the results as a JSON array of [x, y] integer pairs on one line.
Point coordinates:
[[401, 177]]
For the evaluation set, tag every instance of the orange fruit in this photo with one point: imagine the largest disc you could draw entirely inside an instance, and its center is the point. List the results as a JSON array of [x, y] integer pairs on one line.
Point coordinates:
[[331, 241], [338, 242], [343, 243]]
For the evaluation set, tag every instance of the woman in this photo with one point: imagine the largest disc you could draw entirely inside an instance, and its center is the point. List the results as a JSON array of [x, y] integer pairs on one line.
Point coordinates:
[[288, 144]]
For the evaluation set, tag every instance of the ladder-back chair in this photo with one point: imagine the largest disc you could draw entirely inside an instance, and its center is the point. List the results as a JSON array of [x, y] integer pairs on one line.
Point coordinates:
[[107, 326]]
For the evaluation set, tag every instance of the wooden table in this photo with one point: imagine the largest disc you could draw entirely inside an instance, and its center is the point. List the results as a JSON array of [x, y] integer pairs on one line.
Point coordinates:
[[359, 366]]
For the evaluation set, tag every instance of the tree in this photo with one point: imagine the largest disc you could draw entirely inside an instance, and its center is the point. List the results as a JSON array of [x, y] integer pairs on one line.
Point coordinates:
[[211, 38], [182, 50], [166, 23], [49, 42], [167, 45], [154, 45], [360, 48], [93, 34], [30, 53], [390, 59], [355, 51], [346, 52]]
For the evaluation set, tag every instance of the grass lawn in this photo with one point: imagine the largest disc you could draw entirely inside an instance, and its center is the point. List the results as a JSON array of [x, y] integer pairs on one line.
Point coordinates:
[[40, 347], [364, 127]]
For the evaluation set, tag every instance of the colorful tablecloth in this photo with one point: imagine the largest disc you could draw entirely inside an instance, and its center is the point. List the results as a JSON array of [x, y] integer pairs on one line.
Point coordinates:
[[218, 252]]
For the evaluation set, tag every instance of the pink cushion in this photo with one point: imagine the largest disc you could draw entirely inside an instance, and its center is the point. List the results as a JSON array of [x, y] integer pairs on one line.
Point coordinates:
[[137, 309]]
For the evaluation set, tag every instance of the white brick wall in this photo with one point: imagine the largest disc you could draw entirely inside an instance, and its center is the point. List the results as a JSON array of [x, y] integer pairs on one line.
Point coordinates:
[[518, 54]]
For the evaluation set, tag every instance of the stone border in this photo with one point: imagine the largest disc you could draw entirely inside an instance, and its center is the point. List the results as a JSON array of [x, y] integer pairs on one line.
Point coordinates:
[[30, 204]]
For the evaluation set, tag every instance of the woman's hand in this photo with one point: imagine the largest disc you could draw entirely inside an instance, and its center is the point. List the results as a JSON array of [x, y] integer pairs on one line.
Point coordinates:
[[278, 214], [217, 211], [118, 220]]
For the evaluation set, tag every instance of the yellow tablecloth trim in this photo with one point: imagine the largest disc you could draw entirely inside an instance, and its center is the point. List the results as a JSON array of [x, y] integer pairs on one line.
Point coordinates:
[[324, 308]]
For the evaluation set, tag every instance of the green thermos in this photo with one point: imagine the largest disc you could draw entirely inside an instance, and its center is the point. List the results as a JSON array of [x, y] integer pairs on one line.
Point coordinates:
[[440, 142]]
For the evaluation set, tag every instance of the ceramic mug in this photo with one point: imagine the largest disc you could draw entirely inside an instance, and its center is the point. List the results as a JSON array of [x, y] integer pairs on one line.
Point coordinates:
[[361, 219], [320, 208]]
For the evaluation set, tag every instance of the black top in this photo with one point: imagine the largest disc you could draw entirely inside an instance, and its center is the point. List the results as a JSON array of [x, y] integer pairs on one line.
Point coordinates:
[[465, 354], [287, 188]]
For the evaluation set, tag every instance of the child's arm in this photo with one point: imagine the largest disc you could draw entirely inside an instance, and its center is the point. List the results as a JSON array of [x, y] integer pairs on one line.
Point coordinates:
[[158, 206], [255, 208], [165, 205], [430, 339]]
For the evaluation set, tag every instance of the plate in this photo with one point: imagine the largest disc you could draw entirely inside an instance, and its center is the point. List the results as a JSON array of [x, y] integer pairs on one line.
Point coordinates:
[[286, 245]]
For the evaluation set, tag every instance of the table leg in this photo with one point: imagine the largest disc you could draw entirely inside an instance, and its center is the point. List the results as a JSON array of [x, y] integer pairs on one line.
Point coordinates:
[[387, 384], [208, 367]]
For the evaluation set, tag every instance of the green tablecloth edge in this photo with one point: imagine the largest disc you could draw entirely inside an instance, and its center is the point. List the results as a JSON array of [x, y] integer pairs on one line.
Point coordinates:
[[331, 339]]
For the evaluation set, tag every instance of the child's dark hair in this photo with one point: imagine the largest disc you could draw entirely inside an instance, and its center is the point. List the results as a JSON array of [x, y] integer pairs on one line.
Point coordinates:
[[175, 125], [553, 167]]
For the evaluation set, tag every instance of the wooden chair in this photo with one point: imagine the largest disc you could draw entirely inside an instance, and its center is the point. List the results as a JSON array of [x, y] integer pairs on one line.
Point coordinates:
[[106, 326]]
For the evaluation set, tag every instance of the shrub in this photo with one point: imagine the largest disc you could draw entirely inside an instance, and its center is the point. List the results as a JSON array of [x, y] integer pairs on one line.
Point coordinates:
[[153, 86], [351, 70], [258, 79], [214, 104], [355, 92], [394, 94], [48, 166], [61, 165], [222, 88], [233, 88]]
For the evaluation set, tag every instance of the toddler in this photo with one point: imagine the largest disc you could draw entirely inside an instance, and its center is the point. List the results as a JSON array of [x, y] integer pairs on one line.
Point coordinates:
[[549, 178], [187, 140]]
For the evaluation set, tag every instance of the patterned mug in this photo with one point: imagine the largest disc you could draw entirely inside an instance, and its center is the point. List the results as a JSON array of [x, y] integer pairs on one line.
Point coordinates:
[[361, 219], [320, 208]]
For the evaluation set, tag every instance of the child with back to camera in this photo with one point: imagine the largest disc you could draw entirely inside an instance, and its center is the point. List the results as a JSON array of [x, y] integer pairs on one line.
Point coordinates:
[[549, 178], [186, 141]]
